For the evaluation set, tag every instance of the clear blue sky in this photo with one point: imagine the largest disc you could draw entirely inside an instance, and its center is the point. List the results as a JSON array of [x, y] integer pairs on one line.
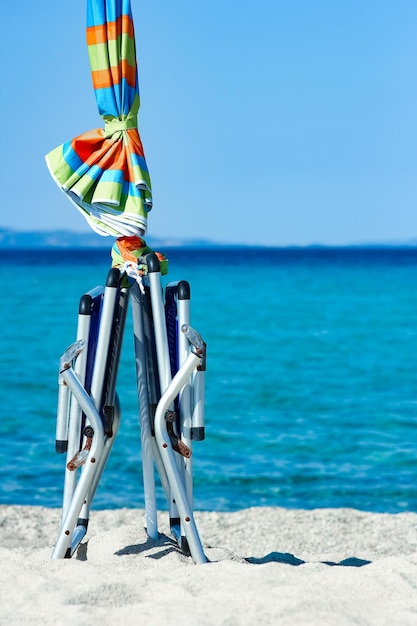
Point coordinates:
[[277, 121]]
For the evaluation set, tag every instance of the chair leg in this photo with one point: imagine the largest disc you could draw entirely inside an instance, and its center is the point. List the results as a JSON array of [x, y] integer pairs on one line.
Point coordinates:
[[168, 457], [163, 360], [87, 476]]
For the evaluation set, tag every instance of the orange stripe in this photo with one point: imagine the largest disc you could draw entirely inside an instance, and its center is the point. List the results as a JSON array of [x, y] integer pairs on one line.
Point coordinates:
[[110, 30], [127, 245], [113, 75], [93, 149]]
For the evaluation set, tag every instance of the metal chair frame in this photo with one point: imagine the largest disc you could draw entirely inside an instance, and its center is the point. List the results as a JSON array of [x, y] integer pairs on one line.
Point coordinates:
[[170, 367]]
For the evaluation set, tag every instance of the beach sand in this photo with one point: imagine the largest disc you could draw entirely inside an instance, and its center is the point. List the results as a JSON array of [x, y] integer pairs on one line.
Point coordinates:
[[267, 566]]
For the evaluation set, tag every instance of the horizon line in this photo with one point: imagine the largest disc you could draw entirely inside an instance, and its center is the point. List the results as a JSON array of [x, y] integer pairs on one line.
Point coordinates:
[[174, 241]]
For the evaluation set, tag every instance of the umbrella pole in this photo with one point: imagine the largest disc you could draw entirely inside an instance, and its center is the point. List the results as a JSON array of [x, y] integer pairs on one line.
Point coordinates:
[[151, 520]]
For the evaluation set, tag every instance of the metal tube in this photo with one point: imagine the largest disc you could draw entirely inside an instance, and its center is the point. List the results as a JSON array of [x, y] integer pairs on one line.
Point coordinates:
[[62, 416], [161, 340], [168, 458], [183, 307], [151, 520], [198, 406], [106, 323], [75, 414], [94, 454]]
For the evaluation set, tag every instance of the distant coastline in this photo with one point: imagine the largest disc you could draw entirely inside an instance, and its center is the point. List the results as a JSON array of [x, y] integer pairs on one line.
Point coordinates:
[[24, 240]]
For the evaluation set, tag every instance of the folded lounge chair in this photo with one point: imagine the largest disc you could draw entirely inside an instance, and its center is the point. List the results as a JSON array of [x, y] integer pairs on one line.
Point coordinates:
[[170, 366]]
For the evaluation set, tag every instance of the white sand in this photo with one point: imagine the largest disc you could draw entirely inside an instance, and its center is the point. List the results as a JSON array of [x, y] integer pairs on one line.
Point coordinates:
[[268, 566]]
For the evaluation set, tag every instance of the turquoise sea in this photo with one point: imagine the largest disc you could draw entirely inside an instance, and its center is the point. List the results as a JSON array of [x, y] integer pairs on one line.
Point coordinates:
[[311, 383]]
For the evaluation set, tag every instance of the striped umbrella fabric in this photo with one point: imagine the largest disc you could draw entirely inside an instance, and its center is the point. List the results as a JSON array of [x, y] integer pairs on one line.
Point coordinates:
[[104, 172]]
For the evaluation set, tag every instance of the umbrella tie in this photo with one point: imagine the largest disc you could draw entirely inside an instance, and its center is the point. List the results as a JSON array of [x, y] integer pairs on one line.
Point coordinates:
[[115, 125], [133, 250], [133, 271]]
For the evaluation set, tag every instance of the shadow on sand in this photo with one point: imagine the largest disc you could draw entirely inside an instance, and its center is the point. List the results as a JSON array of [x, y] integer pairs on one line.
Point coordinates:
[[290, 559], [164, 545]]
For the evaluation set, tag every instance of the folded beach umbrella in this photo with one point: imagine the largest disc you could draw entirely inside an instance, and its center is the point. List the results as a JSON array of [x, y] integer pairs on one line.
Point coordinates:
[[103, 172]]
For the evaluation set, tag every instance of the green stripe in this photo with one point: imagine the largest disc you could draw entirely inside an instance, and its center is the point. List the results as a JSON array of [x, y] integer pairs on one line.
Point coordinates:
[[109, 190], [58, 165], [101, 54]]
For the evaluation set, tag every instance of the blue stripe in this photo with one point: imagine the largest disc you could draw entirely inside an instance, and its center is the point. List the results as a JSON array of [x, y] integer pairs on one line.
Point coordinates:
[[102, 11], [115, 100], [71, 157], [136, 159], [112, 176], [106, 102], [134, 191], [130, 189], [95, 172], [128, 94]]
